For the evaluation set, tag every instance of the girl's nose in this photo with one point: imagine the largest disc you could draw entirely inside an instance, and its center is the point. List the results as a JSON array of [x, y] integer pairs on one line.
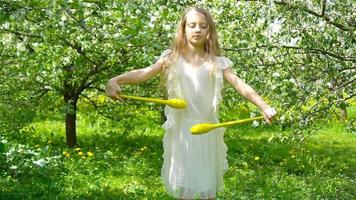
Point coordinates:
[[197, 29]]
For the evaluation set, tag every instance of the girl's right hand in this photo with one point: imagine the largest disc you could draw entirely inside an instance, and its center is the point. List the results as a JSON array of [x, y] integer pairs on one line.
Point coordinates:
[[268, 114], [113, 90]]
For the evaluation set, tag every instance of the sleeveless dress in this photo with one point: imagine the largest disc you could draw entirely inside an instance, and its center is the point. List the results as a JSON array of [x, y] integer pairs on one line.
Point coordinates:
[[194, 165]]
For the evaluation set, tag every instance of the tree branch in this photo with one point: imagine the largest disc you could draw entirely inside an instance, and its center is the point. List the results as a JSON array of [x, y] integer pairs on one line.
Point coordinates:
[[338, 102], [311, 12], [97, 108], [98, 8], [313, 50], [323, 8], [19, 33], [19, 6], [322, 98], [81, 25], [78, 49]]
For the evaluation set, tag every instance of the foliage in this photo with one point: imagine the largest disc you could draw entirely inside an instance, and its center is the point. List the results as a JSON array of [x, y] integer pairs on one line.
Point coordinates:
[[298, 54], [69, 49]]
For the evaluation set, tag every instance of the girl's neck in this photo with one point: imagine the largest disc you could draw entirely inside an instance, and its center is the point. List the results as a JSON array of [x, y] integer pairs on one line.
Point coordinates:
[[195, 52]]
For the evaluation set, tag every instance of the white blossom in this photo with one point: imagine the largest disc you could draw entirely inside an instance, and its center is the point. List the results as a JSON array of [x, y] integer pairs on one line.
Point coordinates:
[[66, 60], [166, 27], [64, 18], [292, 80], [20, 46], [255, 123], [294, 41], [40, 162], [274, 28], [6, 25], [13, 167], [151, 25], [30, 151], [276, 74], [282, 118]]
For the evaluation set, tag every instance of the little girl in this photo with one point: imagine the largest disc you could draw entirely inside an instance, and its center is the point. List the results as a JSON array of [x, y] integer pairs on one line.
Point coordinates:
[[193, 165]]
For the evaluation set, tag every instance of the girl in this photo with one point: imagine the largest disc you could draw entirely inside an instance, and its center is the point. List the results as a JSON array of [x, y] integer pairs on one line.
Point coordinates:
[[193, 165]]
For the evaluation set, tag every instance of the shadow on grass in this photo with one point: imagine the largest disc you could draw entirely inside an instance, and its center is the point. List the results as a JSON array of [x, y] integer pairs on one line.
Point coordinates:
[[32, 185]]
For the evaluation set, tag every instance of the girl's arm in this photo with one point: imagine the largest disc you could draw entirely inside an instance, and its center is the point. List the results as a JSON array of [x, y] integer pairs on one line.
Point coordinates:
[[249, 93], [132, 77]]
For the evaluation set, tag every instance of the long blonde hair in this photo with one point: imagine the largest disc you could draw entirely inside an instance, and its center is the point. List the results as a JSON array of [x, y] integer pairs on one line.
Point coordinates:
[[180, 42]]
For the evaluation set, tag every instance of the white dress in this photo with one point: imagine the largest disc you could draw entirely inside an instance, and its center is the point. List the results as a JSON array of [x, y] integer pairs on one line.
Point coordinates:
[[194, 165]]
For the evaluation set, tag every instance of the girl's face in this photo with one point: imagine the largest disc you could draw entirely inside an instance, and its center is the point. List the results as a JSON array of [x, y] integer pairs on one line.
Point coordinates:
[[196, 28]]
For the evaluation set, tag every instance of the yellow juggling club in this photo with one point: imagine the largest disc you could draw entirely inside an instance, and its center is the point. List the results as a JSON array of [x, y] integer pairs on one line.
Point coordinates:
[[174, 103], [206, 127]]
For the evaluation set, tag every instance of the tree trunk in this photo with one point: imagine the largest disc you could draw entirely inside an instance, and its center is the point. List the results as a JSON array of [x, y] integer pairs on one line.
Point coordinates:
[[343, 114], [342, 107], [71, 134], [71, 96], [70, 120]]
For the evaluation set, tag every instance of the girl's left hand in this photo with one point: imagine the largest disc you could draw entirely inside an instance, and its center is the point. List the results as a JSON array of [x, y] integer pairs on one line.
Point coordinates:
[[268, 114]]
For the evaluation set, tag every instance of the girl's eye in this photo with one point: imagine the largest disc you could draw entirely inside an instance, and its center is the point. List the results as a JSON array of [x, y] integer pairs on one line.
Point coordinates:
[[191, 25], [204, 26]]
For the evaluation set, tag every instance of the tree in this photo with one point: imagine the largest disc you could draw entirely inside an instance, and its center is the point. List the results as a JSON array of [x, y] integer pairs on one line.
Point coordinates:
[[299, 55], [67, 49]]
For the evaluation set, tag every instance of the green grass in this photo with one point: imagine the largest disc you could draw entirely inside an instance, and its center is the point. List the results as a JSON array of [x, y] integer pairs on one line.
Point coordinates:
[[320, 168], [126, 163]]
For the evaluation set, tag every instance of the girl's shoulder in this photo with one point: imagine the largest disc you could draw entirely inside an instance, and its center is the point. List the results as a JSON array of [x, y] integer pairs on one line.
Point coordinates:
[[165, 53], [223, 62], [163, 58]]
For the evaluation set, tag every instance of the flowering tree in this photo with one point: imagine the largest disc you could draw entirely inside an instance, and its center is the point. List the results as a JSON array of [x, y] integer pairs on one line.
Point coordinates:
[[299, 55]]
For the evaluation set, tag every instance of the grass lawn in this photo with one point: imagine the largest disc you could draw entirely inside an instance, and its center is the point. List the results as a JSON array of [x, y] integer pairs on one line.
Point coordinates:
[[115, 162]]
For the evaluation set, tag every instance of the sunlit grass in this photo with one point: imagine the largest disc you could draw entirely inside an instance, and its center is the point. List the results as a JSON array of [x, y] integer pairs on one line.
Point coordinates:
[[116, 161]]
